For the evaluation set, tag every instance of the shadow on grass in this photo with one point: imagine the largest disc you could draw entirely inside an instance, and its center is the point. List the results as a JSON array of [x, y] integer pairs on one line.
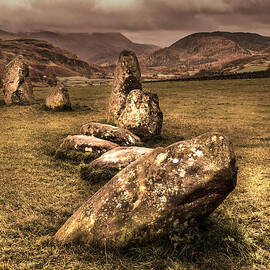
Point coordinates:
[[74, 108], [162, 141], [218, 242], [2, 103]]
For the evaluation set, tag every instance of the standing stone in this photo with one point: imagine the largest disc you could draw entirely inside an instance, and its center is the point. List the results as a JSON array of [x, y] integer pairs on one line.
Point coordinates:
[[118, 135], [58, 99], [142, 114], [126, 78], [17, 85], [165, 189]]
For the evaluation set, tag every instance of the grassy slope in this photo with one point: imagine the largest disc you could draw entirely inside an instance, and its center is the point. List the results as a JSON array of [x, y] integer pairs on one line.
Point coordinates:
[[39, 193], [253, 68]]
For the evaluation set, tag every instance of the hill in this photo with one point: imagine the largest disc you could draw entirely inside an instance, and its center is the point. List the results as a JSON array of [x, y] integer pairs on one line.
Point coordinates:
[[44, 59], [97, 48], [210, 51]]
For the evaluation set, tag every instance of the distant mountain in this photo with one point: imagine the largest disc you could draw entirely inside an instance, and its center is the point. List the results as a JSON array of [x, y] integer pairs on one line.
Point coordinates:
[[97, 48], [208, 50], [44, 59], [7, 35]]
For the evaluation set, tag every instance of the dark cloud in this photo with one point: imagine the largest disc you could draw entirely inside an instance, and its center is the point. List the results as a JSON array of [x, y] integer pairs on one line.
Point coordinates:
[[136, 17]]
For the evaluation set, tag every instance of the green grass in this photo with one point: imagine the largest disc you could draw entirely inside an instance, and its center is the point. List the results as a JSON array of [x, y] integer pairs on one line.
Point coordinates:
[[39, 192], [253, 68]]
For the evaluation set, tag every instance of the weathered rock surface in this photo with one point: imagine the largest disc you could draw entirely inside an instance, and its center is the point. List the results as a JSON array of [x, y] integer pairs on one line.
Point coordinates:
[[163, 189], [119, 157], [118, 135], [142, 114], [58, 99], [126, 78], [85, 143], [17, 86]]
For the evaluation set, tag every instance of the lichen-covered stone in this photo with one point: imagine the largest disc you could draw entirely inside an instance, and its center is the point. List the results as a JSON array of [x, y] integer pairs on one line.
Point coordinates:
[[17, 87], [126, 78], [58, 99], [163, 189], [87, 144], [142, 114], [118, 135], [119, 157]]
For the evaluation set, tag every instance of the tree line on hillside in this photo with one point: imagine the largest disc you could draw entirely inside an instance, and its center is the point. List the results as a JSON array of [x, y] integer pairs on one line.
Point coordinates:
[[232, 76]]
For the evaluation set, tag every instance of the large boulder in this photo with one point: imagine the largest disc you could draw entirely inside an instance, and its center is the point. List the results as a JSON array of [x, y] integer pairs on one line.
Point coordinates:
[[142, 114], [167, 188], [83, 143], [58, 99], [126, 78], [17, 86], [118, 135], [119, 157]]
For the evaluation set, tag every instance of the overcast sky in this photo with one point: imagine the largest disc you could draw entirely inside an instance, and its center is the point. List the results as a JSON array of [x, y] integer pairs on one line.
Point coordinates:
[[160, 22]]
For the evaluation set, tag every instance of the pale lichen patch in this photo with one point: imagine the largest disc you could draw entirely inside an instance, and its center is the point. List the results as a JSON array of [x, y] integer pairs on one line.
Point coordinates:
[[163, 199], [142, 188], [92, 219], [198, 153], [161, 157], [175, 160], [131, 140], [182, 173], [118, 205], [190, 162]]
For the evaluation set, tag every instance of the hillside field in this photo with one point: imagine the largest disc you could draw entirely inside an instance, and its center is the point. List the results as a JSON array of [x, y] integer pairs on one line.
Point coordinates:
[[39, 193], [252, 68]]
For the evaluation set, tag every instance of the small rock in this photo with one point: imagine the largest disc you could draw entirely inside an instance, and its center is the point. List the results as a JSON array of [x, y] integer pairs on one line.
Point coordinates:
[[119, 157], [58, 99], [85, 143], [17, 87], [173, 186], [141, 114], [126, 78], [118, 135]]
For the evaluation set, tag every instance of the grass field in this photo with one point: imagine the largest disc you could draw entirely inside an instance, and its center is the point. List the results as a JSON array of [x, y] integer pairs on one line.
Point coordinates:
[[38, 193], [253, 68]]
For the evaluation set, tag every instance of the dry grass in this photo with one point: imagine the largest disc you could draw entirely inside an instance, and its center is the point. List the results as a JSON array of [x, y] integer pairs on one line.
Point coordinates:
[[38, 193]]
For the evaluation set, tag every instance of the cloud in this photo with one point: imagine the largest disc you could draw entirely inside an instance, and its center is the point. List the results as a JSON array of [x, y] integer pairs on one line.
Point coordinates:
[[136, 15]]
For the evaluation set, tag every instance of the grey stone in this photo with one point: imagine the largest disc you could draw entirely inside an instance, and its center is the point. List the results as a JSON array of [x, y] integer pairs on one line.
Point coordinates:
[[142, 114], [126, 78], [85, 143], [118, 135], [17, 87], [58, 99], [167, 187], [119, 157]]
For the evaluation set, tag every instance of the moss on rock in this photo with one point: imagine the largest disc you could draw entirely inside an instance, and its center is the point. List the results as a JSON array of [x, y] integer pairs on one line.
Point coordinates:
[[95, 175], [76, 156]]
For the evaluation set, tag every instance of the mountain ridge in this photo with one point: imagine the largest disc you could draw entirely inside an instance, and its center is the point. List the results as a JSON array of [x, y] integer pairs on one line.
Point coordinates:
[[208, 50], [97, 48], [44, 59]]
